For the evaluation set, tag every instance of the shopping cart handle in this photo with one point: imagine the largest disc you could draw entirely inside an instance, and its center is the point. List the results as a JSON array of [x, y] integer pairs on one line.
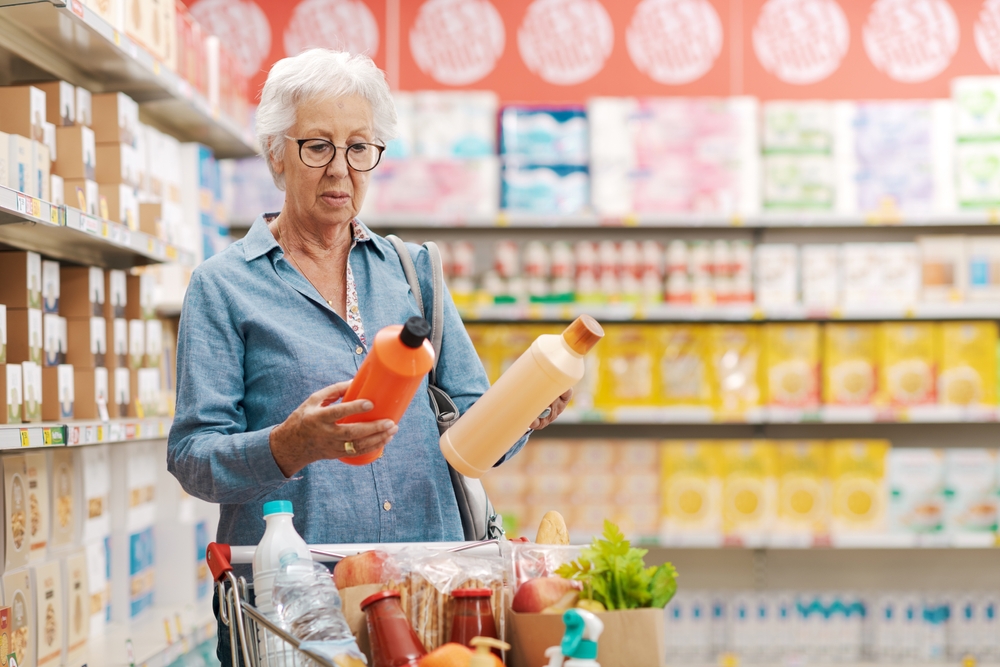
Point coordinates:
[[218, 557]]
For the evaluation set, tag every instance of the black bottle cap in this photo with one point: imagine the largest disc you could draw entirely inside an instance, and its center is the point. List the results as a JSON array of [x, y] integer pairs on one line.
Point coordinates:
[[415, 332]]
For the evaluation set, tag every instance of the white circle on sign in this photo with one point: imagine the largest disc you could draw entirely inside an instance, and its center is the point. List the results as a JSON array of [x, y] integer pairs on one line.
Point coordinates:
[[242, 26], [457, 42], [987, 33], [801, 41], [344, 25], [565, 42], [911, 40], [674, 41]]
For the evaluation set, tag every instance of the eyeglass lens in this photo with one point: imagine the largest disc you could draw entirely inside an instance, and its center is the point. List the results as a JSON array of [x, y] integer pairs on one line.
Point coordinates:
[[319, 153]]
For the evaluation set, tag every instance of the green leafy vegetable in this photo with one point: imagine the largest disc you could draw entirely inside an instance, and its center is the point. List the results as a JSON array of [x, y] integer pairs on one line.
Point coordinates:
[[613, 573]]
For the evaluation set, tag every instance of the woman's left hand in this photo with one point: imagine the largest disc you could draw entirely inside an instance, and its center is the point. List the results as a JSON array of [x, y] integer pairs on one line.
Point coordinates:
[[556, 409]]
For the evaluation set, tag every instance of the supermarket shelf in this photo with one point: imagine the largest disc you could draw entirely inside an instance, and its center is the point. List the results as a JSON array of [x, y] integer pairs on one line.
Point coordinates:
[[733, 313], [931, 414], [70, 235], [807, 542], [75, 44], [151, 646], [75, 433], [810, 219]]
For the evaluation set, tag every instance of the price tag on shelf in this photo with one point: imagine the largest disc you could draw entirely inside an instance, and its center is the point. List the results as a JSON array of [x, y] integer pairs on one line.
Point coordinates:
[[99, 434], [54, 215], [36, 208], [46, 437], [74, 435], [76, 6], [22, 204], [130, 429], [156, 67], [25, 438], [631, 220], [736, 221], [502, 219], [89, 434], [125, 236], [116, 38], [171, 252]]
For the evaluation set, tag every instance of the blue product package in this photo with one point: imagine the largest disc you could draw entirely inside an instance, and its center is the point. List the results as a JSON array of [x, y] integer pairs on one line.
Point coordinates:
[[542, 135], [141, 560], [552, 190], [201, 546]]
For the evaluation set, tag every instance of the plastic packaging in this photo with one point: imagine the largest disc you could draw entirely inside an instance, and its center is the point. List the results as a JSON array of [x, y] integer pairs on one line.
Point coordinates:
[[280, 539], [390, 375], [393, 642], [553, 364], [308, 603]]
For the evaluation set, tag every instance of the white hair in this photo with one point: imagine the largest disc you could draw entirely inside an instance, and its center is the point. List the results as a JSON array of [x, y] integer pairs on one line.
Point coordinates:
[[318, 74]]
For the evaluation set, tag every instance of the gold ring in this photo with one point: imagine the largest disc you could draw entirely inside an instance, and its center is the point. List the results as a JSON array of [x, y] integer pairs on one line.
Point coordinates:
[[349, 448]]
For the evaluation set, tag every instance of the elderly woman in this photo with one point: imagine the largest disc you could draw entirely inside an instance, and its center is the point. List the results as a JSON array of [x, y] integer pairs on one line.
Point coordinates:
[[274, 328]]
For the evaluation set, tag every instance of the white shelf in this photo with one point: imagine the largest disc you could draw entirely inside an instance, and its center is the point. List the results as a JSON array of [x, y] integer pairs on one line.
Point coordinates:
[[77, 433], [827, 542], [626, 312], [930, 414], [809, 219], [70, 235], [72, 42], [150, 644]]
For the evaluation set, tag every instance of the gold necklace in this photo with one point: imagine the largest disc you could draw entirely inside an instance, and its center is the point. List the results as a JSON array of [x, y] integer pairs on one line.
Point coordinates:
[[288, 251]]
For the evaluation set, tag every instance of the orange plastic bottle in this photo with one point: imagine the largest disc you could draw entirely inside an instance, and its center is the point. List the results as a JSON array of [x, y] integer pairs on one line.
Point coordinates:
[[390, 375]]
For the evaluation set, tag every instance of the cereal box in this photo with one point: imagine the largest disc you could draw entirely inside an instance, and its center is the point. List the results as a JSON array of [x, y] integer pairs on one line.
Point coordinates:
[[683, 368], [749, 488], [20, 597], [16, 511], [857, 480], [65, 513], [95, 471], [907, 369], [850, 353], [916, 490], [49, 609], [803, 488], [77, 600], [626, 369], [735, 353], [5, 638], [691, 493], [968, 364], [970, 482], [791, 362], [37, 470]]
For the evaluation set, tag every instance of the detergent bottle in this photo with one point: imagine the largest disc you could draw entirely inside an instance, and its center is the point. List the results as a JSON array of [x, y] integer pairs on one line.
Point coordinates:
[[390, 375], [579, 643]]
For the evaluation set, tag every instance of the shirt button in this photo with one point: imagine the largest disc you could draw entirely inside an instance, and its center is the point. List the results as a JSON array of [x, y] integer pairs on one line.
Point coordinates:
[[359, 350], [387, 506]]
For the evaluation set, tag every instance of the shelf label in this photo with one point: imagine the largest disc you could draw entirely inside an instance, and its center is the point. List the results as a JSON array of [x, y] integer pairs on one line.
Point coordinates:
[[172, 253], [100, 433], [91, 225], [74, 435], [76, 6], [25, 438], [88, 434], [36, 208], [130, 430], [156, 67], [22, 204], [46, 437], [116, 38], [125, 236], [104, 229], [54, 215]]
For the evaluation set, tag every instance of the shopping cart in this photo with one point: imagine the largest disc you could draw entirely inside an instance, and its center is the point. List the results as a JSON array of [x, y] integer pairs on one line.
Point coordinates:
[[258, 640]]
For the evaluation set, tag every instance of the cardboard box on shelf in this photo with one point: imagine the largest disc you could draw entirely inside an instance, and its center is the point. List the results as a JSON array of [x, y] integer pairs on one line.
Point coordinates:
[[63, 339], [3, 334], [967, 367], [10, 380], [150, 216], [122, 204], [907, 363], [84, 106], [42, 169], [58, 393], [116, 118], [51, 325], [136, 343], [57, 190], [94, 469], [50, 142], [91, 392], [50, 286], [139, 304], [83, 194], [857, 481], [77, 598], [850, 354], [65, 503], [916, 490], [60, 102], [88, 344], [5, 628], [77, 152], [118, 343], [944, 269], [117, 164], [31, 375], [970, 499], [630, 637], [83, 287], [19, 595], [36, 466], [48, 583], [21, 279], [16, 538], [24, 111], [146, 389], [154, 343], [122, 404], [116, 294], [25, 335], [20, 170]]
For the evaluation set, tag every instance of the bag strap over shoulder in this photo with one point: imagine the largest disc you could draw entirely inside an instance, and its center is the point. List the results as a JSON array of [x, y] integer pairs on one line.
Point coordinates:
[[436, 315]]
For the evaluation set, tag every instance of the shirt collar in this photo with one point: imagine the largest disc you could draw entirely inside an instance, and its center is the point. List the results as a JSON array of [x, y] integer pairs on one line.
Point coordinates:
[[259, 240]]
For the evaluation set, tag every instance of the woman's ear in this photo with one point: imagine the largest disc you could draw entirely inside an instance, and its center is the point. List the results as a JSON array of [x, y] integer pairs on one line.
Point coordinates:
[[278, 166]]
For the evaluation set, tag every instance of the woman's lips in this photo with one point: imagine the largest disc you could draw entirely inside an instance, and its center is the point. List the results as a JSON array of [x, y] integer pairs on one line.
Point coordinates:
[[336, 198]]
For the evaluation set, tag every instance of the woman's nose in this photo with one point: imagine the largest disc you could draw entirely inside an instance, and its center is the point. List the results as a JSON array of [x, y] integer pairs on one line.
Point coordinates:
[[338, 166]]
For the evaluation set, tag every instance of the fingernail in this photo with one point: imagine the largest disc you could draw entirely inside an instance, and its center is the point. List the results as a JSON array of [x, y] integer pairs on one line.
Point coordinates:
[[388, 424], [394, 430], [367, 405]]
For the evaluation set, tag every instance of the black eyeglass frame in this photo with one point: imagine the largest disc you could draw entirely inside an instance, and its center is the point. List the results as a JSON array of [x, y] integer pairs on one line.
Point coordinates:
[[346, 149]]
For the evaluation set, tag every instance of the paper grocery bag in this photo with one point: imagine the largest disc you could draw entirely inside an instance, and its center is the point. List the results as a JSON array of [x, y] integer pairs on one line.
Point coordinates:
[[632, 638], [351, 599]]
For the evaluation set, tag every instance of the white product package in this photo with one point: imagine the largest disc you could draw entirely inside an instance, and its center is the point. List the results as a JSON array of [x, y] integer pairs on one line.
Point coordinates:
[[776, 274]]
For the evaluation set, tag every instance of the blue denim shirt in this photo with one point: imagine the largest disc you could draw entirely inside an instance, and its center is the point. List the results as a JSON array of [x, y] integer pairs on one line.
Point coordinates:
[[255, 340]]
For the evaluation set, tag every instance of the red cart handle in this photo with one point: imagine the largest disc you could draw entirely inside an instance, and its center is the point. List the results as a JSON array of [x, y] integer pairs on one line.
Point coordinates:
[[218, 557]]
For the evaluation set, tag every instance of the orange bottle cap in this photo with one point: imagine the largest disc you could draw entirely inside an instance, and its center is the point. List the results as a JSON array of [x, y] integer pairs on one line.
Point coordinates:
[[583, 334]]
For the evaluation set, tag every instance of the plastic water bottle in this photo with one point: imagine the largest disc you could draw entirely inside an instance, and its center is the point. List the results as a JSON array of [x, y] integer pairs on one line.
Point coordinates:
[[308, 604]]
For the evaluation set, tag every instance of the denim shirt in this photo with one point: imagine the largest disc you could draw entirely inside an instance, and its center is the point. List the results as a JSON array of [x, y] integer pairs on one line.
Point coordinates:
[[255, 340]]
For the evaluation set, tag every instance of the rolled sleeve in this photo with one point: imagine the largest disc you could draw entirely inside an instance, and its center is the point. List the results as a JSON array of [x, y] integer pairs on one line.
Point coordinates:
[[209, 449]]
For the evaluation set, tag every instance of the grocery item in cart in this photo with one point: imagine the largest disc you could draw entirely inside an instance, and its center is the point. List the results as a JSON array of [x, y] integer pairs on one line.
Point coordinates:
[[503, 414], [390, 375], [280, 538], [393, 641], [472, 616]]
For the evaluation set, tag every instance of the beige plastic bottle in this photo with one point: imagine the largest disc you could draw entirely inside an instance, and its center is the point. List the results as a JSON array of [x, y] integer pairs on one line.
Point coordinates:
[[553, 364]]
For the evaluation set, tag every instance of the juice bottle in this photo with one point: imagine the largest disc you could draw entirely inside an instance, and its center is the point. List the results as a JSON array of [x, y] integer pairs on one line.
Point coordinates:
[[393, 641], [390, 375], [553, 364]]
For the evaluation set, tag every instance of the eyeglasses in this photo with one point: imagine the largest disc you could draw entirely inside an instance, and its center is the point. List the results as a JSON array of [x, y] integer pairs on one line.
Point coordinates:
[[318, 153]]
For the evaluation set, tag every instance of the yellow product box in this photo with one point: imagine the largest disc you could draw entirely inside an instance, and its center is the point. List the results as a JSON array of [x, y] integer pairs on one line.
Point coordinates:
[[37, 473], [907, 368], [591, 457], [803, 488], [65, 512], [735, 358], [19, 595], [791, 365], [857, 485], [850, 364], [684, 375], [967, 366], [48, 584], [690, 492], [626, 363], [749, 487], [18, 543]]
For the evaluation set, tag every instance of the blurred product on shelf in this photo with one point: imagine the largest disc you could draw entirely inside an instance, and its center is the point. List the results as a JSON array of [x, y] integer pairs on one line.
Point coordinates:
[[732, 370], [248, 190]]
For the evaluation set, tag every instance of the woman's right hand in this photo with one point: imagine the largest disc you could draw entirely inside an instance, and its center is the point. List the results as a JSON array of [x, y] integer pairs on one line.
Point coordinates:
[[312, 433]]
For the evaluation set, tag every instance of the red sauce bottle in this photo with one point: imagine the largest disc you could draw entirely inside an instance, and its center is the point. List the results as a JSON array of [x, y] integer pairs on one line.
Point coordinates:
[[390, 375], [393, 641], [473, 615]]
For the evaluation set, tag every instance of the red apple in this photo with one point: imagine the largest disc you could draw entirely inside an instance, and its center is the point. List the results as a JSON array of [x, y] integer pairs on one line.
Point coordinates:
[[536, 595], [364, 568]]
